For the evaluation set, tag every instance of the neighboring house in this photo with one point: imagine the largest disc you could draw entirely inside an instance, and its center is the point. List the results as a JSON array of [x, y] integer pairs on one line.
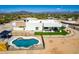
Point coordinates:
[[70, 19], [34, 24]]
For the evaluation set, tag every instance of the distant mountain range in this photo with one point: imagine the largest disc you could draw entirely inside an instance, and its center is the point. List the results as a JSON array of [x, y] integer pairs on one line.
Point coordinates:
[[27, 12]]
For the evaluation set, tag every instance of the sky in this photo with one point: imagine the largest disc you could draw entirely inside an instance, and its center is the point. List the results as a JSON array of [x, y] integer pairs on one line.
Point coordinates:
[[38, 8]]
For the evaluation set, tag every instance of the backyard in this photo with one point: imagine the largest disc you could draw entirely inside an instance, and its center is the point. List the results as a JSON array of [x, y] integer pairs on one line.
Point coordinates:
[[63, 32]]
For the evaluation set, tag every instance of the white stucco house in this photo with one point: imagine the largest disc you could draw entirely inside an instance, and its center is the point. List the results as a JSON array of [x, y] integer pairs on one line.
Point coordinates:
[[34, 24]]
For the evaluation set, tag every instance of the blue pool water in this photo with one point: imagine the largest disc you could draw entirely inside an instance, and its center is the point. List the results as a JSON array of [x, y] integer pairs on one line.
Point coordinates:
[[20, 42]]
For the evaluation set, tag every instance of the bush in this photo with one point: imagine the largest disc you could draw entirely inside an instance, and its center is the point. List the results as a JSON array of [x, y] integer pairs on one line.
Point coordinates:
[[2, 21]]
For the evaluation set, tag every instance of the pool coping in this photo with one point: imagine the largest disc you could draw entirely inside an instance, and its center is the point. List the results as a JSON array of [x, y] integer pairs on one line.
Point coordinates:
[[14, 38]]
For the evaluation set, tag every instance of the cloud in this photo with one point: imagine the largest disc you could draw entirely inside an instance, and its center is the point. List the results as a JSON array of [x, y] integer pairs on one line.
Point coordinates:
[[61, 9], [58, 8]]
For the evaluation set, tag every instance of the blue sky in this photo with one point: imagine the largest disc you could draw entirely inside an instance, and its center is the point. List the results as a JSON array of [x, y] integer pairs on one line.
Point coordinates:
[[38, 8]]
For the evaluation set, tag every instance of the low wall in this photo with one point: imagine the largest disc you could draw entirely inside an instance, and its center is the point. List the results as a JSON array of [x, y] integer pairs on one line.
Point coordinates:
[[22, 33]]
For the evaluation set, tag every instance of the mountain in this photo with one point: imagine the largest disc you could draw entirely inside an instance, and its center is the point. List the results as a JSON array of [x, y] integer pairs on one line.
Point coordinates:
[[21, 12], [16, 12], [27, 12]]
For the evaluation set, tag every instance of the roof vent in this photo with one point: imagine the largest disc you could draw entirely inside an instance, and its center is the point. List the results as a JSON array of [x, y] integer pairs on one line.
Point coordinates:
[[40, 21]]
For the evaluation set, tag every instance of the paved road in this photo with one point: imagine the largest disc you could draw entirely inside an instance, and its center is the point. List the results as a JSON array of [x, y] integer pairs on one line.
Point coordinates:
[[74, 27], [1, 26]]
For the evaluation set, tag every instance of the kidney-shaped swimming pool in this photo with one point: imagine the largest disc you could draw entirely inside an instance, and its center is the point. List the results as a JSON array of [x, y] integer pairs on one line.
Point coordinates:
[[24, 42]]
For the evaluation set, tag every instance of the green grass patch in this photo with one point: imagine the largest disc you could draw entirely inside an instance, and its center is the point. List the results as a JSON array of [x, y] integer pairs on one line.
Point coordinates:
[[21, 26], [51, 33]]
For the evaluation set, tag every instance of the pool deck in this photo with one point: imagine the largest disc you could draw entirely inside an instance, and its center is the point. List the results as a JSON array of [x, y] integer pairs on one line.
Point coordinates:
[[37, 46], [53, 45]]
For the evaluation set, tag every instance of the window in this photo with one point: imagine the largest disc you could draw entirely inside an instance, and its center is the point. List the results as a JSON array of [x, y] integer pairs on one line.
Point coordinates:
[[27, 20], [24, 20], [55, 29], [37, 28], [45, 27]]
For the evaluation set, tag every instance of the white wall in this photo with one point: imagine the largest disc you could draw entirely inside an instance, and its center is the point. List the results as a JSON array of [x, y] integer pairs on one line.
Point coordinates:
[[17, 28], [52, 24], [66, 25], [32, 26]]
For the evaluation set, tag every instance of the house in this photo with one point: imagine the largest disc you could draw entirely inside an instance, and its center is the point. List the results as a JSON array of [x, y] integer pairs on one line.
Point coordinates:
[[34, 24]]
